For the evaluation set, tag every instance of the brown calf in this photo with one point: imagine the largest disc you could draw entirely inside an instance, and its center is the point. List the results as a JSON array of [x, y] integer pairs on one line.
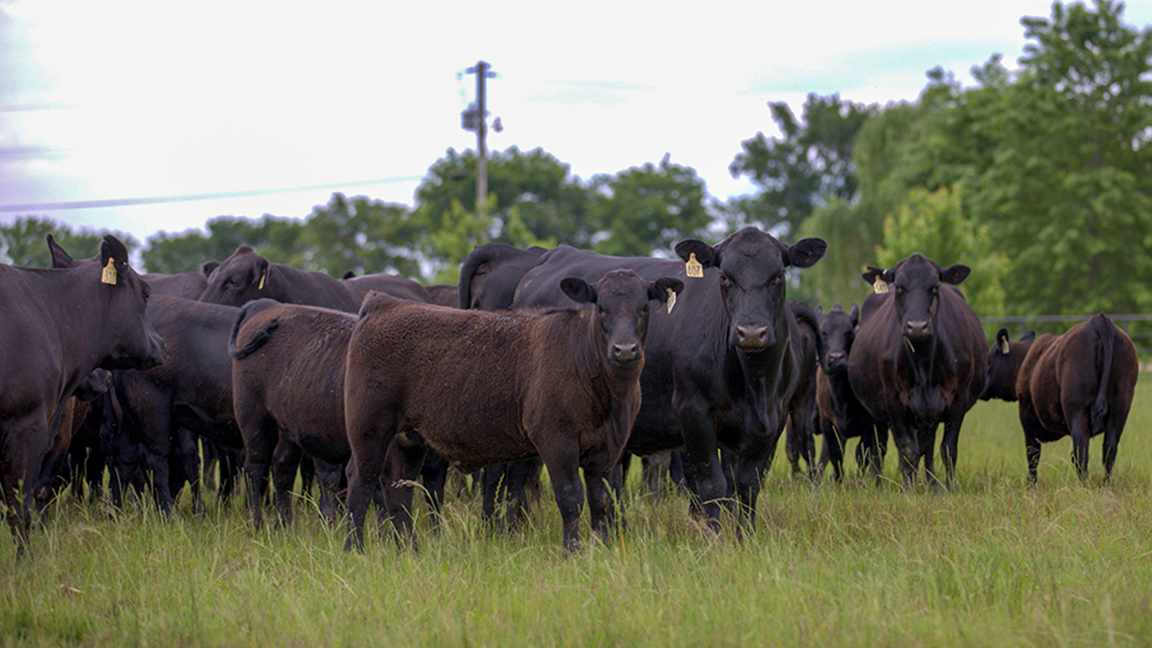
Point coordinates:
[[482, 388]]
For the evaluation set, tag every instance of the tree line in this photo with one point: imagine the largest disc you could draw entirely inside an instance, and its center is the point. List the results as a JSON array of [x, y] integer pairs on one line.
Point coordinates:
[[1038, 177]]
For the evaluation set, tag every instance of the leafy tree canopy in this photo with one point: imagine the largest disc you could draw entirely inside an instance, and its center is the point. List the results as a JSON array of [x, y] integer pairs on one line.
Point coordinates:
[[646, 209], [809, 164], [24, 242]]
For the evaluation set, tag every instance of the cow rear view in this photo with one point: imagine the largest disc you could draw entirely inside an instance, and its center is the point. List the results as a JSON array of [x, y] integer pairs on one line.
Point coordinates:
[[1078, 384]]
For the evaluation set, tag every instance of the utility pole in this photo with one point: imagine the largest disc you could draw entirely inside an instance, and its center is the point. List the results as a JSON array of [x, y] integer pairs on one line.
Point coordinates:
[[479, 123]]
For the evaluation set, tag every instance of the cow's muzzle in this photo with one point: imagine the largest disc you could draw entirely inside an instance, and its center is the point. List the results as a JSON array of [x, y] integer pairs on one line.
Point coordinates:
[[754, 338]]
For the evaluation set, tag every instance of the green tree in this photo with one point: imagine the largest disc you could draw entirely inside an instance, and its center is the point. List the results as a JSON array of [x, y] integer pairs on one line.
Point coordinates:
[[936, 225], [360, 235], [647, 208], [808, 165], [24, 242], [549, 201], [276, 237], [851, 246]]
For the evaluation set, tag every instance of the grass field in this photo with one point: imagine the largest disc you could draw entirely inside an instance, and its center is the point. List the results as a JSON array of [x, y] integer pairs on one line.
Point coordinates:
[[993, 562]]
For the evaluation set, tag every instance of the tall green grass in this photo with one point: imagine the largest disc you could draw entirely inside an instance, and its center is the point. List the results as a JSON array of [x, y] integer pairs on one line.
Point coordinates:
[[990, 562]]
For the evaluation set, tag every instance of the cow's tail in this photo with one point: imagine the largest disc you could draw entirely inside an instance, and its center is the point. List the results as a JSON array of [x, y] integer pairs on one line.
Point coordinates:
[[807, 317], [1105, 344], [474, 260], [257, 339]]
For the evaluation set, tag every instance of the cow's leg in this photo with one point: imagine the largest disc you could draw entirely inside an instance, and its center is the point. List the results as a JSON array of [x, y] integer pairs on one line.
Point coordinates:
[[706, 470], [749, 474], [156, 430], [561, 458], [261, 436], [229, 473], [492, 482], [189, 451], [517, 477], [927, 441], [369, 434], [402, 468], [328, 477], [307, 474], [1080, 431], [1111, 443], [600, 486], [874, 440], [434, 475], [833, 451], [285, 464], [949, 446], [908, 446], [655, 468], [793, 445]]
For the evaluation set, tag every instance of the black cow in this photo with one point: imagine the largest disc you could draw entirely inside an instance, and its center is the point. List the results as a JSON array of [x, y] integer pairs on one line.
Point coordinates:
[[841, 416], [800, 442], [60, 324], [189, 285], [1080, 384], [919, 359], [246, 276], [490, 274], [389, 284], [483, 388], [443, 295], [721, 366], [191, 394]]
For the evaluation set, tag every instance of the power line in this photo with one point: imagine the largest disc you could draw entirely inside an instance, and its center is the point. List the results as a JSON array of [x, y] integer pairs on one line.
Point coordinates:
[[154, 200]]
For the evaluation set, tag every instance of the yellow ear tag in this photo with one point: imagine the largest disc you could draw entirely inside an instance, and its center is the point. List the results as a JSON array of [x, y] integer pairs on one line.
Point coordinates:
[[109, 274], [880, 286], [671, 300], [693, 268], [262, 277]]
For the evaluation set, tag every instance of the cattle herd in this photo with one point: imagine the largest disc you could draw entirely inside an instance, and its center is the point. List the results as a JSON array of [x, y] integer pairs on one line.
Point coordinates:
[[561, 357]]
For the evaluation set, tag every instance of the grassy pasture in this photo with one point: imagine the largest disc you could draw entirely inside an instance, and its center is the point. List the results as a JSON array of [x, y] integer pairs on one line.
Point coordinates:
[[992, 562]]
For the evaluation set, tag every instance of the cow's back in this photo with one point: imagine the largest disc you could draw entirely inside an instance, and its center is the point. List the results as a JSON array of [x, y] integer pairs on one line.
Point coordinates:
[[434, 368]]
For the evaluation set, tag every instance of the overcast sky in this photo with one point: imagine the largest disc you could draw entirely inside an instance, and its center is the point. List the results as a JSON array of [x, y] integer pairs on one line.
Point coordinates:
[[113, 100]]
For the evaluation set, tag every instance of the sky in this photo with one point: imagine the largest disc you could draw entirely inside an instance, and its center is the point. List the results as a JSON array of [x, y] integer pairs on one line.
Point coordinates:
[[275, 106]]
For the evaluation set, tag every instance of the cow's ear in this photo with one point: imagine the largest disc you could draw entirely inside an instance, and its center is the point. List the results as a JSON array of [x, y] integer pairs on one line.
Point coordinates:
[[955, 274], [1030, 336], [659, 289], [805, 253], [263, 269], [60, 258], [819, 311], [706, 255], [207, 267], [854, 314], [578, 290], [1002, 341], [872, 274], [112, 248]]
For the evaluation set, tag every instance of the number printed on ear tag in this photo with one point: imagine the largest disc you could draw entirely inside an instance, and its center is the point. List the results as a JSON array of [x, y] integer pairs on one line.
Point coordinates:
[[109, 274], [693, 268]]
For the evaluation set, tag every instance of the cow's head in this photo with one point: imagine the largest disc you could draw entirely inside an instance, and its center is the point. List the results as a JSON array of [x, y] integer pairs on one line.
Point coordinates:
[[752, 279], [124, 298], [1004, 360], [621, 300], [915, 284], [837, 330], [243, 277]]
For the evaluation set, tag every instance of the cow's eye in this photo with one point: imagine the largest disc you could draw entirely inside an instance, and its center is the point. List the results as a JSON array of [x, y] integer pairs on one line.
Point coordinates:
[[724, 280], [778, 278]]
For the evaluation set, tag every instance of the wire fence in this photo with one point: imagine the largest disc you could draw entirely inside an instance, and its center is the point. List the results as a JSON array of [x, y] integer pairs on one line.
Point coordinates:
[[1138, 327]]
